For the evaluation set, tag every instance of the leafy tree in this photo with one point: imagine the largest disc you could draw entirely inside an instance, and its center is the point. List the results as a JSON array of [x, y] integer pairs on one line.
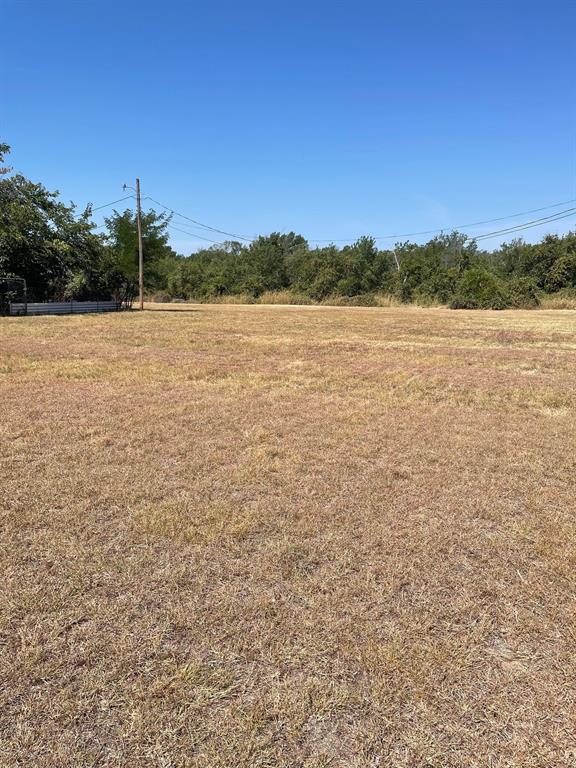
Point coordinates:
[[210, 272], [265, 259], [41, 239], [420, 267], [54, 250], [442, 269], [4, 150], [59, 255], [315, 272], [122, 240], [550, 264], [514, 258], [554, 262]]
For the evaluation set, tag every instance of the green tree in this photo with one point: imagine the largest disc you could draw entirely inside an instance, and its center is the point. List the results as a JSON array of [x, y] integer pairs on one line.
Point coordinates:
[[41, 239], [160, 260], [210, 272], [4, 150], [315, 271], [264, 262], [514, 258], [554, 262]]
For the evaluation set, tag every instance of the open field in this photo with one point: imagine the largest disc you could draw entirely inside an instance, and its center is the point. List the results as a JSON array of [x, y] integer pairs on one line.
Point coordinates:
[[266, 536]]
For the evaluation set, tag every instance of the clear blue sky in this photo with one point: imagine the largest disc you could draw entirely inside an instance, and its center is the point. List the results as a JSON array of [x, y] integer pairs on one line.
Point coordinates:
[[329, 118]]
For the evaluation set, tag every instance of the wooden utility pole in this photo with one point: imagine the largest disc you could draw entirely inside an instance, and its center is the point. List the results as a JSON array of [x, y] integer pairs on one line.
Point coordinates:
[[140, 251]]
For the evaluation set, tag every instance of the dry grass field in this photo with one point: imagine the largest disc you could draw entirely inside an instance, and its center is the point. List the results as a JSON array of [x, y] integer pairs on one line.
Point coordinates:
[[249, 536]]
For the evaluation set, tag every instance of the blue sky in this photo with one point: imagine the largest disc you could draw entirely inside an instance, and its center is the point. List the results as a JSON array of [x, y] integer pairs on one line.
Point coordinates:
[[333, 119]]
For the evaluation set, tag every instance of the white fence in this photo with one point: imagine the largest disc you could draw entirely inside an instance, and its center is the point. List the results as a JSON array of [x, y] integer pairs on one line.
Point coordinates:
[[64, 307]]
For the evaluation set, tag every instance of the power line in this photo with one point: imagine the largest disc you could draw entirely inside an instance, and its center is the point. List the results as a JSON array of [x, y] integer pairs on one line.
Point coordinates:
[[106, 205], [445, 229], [508, 230], [170, 226], [199, 223], [528, 225], [485, 236], [534, 223], [91, 208], [193, 234]]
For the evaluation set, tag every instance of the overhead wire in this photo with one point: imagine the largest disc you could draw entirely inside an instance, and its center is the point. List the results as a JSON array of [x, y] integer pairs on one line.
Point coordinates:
[[528, 225], [106, 205], [482, 236], [27, 197], [199, 223], [446, 229], [194, 235]]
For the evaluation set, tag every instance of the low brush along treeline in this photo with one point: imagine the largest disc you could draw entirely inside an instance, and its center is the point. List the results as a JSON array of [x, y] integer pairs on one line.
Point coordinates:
[[58, 253]]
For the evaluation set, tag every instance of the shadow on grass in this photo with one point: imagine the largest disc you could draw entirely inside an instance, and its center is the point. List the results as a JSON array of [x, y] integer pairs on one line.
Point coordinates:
[[181, 311]]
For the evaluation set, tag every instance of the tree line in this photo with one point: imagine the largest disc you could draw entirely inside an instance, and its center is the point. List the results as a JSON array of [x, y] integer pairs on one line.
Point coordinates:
[[62, 255]]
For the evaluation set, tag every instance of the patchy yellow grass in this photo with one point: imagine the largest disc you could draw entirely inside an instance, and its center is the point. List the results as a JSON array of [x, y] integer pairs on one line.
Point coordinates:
[[560, 300], [288, 536]]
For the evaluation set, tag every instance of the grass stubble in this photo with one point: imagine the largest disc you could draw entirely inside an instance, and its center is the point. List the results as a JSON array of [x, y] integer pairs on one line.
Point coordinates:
[[288, 536]]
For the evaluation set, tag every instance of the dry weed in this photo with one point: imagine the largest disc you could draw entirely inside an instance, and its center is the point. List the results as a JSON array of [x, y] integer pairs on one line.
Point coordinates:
[[288, 536]]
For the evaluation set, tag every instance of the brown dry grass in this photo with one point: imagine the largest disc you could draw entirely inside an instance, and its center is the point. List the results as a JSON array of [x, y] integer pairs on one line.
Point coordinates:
[[265, 536], [562, 300]]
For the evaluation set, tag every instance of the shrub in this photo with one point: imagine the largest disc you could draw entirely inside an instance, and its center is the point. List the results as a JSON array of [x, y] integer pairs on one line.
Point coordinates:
[[480, 289], [523, 292], [76, 287], [161, 298]]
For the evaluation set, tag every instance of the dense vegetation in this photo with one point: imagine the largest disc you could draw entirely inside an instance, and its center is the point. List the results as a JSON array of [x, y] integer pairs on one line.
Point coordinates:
[[448, 269], [62, 256]]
